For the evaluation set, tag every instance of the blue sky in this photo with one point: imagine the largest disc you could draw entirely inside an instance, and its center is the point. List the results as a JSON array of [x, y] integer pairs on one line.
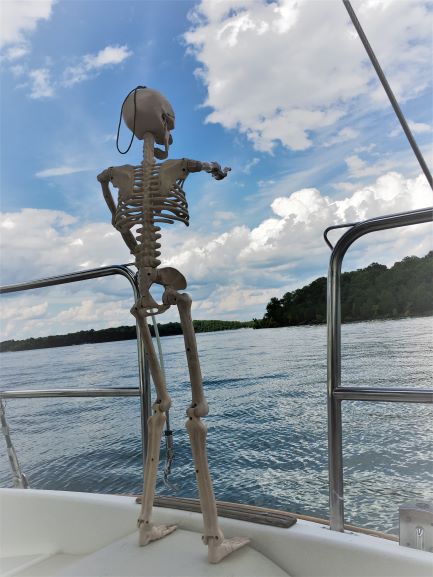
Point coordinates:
[[280, 91]]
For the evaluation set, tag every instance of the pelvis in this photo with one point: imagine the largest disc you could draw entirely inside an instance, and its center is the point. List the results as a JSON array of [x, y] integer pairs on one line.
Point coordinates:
[[168, 277]]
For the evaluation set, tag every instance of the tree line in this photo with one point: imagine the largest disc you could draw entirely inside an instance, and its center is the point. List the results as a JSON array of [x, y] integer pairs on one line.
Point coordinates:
[[374, 292], [116, 334]]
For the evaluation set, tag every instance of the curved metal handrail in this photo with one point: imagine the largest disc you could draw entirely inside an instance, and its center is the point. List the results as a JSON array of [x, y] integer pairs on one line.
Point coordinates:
[[336, 393], [335, 227], [121, 269], [142, 391]]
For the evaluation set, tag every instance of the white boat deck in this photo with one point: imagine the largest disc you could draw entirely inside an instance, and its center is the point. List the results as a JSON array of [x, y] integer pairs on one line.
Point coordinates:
[[62, 534], [178, 553]]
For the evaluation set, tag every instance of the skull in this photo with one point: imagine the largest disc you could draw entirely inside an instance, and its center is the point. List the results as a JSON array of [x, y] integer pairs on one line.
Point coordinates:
[[152, 113]]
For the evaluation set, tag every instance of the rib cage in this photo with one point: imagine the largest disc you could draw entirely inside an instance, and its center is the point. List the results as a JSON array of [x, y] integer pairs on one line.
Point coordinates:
[[148, 194]]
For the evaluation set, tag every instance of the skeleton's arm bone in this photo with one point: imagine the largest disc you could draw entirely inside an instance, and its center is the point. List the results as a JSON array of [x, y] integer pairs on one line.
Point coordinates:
[[212, 167], [104, 178]]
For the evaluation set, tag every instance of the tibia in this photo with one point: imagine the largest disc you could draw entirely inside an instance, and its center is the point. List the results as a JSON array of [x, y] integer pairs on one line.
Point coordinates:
[[218, 550], [155, 532]]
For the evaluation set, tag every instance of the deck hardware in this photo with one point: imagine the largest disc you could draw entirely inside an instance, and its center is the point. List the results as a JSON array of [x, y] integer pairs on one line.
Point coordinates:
[[239, 511], [416, 526]]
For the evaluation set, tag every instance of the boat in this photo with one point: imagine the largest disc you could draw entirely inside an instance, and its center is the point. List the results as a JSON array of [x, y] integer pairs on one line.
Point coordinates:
[[60, 533]]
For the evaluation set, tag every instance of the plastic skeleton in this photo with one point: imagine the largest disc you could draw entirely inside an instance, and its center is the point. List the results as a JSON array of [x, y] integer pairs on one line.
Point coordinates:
[[149, 194]]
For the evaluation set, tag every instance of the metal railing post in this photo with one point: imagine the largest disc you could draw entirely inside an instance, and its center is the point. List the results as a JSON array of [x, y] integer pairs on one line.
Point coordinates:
[[143, 390], [335, 433], [335, 392], [20, 480]]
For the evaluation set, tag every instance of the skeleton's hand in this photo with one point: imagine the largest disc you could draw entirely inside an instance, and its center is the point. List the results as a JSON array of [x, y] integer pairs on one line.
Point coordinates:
[[217, 172]]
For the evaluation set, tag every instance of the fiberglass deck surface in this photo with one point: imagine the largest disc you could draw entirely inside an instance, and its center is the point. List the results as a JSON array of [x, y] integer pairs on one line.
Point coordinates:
[[181, 554]]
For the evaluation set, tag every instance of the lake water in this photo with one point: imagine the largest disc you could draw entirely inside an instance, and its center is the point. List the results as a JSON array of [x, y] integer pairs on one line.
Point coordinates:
[[267, 439]]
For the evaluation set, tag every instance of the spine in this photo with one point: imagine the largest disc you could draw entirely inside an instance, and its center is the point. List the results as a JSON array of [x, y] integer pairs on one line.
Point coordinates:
[[146, 180]]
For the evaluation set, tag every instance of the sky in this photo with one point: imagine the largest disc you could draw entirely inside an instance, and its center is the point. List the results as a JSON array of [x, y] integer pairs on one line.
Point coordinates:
[[281, 91]]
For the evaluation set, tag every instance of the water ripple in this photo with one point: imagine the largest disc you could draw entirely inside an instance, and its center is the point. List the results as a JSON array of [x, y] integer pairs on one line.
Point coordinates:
[[267, 425]]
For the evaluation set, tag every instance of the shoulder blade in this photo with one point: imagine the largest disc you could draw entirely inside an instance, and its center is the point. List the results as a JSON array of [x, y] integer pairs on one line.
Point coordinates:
[[123, 179]]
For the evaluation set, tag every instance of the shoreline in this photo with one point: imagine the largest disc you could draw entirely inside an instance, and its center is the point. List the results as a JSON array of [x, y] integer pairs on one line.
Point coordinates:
[[13, 346]]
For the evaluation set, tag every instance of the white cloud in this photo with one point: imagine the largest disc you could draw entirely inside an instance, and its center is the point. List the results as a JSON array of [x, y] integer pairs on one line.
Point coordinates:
[[287, 249], [230, 275], [59, 171], [416, 128], [25, 316], [296, 68], [108, 56], [20, 17], [24, 312], [16, 52], [249, 165], [7, 223], [40, 80], [344, 186], [226, 302], [17, 69], [43, 242], [342, 135], [419, 127], [224, 215], [40, 84], [360, 168], [368, 148]]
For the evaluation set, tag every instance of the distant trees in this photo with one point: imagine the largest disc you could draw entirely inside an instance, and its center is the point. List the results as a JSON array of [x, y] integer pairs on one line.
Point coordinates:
[[374, 292], [115, 334]]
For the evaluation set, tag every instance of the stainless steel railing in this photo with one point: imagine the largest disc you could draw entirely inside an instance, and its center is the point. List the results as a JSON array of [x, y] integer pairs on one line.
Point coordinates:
[[337, 393], [143, 389]]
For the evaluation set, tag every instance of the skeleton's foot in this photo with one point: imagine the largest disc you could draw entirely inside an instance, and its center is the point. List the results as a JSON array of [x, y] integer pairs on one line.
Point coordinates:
[[220, 548], [147, 534]]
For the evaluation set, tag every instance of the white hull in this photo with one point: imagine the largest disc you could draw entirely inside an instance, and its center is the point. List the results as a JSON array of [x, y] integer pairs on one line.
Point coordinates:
[[56, 533]]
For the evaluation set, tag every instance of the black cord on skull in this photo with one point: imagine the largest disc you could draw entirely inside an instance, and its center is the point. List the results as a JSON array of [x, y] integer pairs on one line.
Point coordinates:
[[134, 90]]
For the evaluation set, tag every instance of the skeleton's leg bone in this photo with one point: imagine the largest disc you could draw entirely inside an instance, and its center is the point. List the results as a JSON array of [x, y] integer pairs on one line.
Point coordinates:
[[163, 398], [147, 530], [218, 547]]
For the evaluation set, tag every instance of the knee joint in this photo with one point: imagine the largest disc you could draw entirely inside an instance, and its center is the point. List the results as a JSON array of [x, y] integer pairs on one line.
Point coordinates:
[[198, 410]]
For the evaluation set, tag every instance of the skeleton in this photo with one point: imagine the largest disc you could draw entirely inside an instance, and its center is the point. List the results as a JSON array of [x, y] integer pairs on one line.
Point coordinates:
[[149, 194]]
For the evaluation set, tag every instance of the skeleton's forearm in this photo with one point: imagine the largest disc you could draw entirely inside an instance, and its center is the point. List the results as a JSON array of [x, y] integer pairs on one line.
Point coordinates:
[[212, 167], [198, 166]]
